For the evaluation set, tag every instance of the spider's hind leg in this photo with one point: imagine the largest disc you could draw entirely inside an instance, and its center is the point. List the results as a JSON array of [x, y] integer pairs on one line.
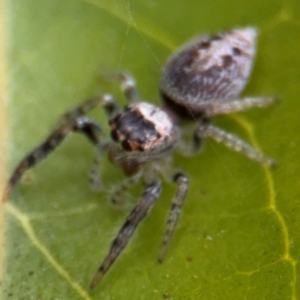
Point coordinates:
[[233, 142], [242, 104]]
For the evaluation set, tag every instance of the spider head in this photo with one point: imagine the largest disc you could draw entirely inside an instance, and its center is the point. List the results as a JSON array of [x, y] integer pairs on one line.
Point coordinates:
[[144, 127]]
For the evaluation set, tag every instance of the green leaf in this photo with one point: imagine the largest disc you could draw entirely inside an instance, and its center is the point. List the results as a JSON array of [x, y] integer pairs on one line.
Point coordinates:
[[239, 235]]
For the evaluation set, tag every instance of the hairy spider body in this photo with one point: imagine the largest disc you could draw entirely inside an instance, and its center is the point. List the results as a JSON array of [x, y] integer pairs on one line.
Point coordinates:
[[208, 71], [144, 127], [144, 130], [202, 79]]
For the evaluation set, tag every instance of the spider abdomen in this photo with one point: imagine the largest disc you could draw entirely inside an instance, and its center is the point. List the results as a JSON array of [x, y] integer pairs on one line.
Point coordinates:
[[208, 70]]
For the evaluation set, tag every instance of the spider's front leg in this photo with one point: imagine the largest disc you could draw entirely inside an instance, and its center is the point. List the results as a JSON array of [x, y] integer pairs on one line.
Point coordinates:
[[83, 125], [182, 183], [128, 86], [73, 120], [139, 212], [106, 101]]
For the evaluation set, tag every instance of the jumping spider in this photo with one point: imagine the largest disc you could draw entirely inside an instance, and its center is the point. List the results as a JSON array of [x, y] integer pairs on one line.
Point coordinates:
[[202, 79]]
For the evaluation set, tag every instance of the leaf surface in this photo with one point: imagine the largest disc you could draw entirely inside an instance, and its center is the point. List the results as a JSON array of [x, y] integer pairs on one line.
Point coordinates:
[[239, 235]]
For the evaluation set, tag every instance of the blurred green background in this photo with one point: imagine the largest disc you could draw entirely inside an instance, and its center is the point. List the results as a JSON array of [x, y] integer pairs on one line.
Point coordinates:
[[239, 235]]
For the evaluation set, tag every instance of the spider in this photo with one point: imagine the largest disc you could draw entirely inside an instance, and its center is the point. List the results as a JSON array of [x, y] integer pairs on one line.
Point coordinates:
[[201, 80]]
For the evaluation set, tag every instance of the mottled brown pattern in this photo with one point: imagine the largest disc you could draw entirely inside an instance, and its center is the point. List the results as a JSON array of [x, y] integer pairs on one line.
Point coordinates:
[[132, 130], [139, 212], [197, 75]]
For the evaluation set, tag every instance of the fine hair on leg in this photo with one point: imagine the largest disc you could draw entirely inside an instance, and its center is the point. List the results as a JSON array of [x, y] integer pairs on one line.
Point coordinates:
[[139, 212], [83, 125], [234, 142], [182, 188], [128, 85], [242, 104]]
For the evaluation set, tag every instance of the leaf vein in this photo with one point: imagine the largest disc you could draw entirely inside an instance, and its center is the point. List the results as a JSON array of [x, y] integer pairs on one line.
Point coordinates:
[[26, 225]]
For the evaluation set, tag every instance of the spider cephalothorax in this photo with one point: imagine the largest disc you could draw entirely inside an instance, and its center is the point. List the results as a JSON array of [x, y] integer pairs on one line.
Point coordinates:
[[204, 78], [144, 127]]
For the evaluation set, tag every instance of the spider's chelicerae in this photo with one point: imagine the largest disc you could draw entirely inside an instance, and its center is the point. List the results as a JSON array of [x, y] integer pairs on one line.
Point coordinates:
[[204, 78]]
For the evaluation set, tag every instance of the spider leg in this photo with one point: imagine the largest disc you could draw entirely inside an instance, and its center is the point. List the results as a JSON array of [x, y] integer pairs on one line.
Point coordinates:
[[107, 101], [128, 86], [233, 142], [190, 147], [241, 105], [190, 143], [95, 172], [83, 125], [139, 212], [182, 182], [119, 195], [111, 107], [71, 121]]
